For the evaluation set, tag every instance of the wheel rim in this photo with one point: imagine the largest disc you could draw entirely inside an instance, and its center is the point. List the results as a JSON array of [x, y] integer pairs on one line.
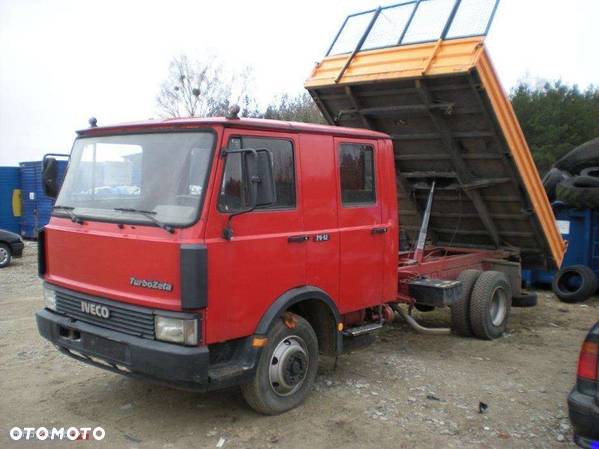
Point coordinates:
[[288, 366], [3, 256], [498, 309]]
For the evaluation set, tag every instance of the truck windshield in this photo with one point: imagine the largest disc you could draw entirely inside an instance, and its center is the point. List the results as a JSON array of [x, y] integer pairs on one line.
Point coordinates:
[[110, 178]]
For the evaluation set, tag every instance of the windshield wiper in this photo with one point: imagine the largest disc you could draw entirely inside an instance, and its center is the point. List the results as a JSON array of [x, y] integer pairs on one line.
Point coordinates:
[[69, 210], [148, 214]]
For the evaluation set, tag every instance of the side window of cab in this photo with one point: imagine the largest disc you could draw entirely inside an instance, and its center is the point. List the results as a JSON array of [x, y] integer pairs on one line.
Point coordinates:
[[356, 174], [232, 195]]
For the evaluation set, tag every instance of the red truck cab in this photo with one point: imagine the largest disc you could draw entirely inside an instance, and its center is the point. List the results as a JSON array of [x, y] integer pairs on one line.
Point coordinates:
[[203, 253]]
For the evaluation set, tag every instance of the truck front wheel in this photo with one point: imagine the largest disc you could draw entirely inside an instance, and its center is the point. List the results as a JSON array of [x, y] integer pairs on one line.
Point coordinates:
[[286, 369]]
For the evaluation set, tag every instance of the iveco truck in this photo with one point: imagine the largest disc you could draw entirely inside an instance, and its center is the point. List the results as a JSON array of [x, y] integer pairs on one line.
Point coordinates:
[[207, 253]]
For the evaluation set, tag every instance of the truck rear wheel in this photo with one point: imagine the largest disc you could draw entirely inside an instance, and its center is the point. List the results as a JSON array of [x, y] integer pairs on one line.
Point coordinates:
[[490, 305], [286, 369], [460, 310]]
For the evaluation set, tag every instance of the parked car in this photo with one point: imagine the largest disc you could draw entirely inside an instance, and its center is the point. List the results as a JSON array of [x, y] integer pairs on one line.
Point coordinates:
[[11, 245], [583, 401]]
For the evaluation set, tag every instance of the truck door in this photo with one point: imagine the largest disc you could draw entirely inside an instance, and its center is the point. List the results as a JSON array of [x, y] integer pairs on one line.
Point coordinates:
[[267, 253], [362, 234], [320, 203]]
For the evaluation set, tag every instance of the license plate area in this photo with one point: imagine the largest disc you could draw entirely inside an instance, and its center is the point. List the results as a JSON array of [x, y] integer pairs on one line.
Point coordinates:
[[103, 347], [93, 345]]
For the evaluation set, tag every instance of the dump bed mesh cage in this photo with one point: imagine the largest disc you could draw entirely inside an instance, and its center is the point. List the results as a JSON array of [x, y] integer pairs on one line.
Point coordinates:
[[419, 72], [414, 22]]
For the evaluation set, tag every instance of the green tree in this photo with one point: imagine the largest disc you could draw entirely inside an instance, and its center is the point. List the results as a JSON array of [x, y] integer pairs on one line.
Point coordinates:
[[555, 118]]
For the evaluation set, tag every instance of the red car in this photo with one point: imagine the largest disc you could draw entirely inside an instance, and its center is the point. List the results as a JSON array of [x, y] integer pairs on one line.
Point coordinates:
[[583, 401]]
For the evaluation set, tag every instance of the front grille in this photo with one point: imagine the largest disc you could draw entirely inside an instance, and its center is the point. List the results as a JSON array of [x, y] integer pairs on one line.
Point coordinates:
[[124, 318]]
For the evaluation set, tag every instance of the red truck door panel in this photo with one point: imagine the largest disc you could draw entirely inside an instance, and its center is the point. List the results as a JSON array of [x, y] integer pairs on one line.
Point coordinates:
[[262, 260], [362, 234], [319, 196]]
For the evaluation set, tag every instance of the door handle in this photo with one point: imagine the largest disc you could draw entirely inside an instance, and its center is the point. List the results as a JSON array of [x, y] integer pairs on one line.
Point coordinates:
[[297, 238], [381, 230]]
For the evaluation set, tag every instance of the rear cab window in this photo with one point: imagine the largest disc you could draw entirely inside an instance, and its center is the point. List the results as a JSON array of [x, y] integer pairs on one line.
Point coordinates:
[[357, 174]]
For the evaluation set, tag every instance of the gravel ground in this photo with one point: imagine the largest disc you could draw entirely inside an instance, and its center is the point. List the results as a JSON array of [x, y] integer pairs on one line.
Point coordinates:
[[406, 390]]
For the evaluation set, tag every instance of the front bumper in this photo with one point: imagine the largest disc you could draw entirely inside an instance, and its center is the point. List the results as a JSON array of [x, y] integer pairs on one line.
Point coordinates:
[[584, 416], [17, 248], [169, 364]]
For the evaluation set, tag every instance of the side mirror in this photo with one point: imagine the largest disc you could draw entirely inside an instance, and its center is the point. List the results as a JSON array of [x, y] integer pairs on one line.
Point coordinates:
[[258, 166], [258, 182], [50, 177]]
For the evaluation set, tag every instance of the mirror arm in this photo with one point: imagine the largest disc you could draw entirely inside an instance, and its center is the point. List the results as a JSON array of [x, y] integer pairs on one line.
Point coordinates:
[[228, 230]]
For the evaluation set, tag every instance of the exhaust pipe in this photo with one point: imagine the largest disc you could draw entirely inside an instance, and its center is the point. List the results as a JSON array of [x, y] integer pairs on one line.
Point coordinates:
[[417, 327]]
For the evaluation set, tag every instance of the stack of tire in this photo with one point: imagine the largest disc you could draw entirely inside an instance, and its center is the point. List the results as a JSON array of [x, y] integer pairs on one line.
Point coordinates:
[[574, 181]]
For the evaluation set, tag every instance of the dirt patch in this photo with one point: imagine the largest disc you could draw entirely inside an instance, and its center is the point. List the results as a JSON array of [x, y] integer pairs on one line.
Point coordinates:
[[404, 391]]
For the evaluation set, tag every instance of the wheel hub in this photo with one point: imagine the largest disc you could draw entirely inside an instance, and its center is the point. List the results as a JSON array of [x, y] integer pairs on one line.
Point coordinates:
[[498, 309], [3, 256], [288, 366]]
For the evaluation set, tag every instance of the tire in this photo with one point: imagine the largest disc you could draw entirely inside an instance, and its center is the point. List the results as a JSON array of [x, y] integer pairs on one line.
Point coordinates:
[[5, 255], [460, 310], [526, 299], [585, 155], [592, 172], [274, 389], [572, 193], [574, 284], [585, 181], [490, 305], [552, 179]]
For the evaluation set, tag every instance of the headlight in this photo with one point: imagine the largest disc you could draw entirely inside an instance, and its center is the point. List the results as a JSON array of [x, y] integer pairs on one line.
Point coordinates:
[[176, 330], [50, 298]]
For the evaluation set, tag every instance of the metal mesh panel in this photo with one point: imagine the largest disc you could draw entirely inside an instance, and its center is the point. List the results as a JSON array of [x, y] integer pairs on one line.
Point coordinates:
[[472, 18], [429, 21], [353, 29], [413, 22], [389, 26]]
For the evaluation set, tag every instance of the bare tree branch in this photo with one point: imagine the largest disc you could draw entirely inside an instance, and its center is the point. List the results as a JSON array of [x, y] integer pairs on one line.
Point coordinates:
[[201, 89], [206, 88]]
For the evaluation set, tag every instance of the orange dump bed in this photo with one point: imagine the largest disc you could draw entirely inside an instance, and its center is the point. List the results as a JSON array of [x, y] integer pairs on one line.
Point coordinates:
[[450, 120]]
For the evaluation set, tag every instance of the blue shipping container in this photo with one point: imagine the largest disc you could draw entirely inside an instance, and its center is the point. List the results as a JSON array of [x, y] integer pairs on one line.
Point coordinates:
[[10, 199], [37, 207], [580, 228]]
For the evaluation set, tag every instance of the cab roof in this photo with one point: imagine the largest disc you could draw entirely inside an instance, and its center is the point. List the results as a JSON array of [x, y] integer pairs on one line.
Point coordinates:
[[243, 123]]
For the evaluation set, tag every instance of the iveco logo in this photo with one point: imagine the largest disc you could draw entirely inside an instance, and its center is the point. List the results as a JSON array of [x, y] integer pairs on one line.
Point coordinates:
[[95, 309]]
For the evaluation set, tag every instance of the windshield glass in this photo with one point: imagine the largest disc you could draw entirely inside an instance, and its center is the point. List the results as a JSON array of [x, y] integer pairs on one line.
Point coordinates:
[[163, 174]]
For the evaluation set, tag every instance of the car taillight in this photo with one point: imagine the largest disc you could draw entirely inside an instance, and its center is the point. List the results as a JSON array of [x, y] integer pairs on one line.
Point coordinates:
[[588, 361]]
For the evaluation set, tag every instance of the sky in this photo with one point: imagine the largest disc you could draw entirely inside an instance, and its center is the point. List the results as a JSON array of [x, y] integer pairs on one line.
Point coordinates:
[[63, 61]]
